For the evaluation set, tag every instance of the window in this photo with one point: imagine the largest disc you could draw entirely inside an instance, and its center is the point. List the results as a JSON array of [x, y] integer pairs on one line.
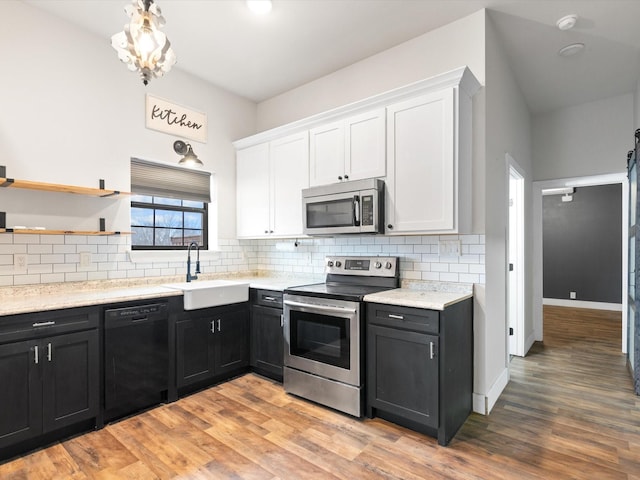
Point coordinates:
[[169, 206], [167, 223]]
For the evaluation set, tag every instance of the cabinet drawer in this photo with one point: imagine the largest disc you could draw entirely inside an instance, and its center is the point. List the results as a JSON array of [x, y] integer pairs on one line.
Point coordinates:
[[36, 325], [406, 318], [268, 298]]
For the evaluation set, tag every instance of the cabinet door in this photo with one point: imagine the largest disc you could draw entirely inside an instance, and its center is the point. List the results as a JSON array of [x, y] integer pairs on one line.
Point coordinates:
[[326, 157], [365, 145], [70, 379], [252, 191], [232, 341], [21, 397], [421, 164], [289, 163], [194, 349], [402, 373], [267, 340]]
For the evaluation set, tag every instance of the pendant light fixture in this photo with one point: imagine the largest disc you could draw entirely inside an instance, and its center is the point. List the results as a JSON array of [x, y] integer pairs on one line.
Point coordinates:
[[190, 159], [142, 46]]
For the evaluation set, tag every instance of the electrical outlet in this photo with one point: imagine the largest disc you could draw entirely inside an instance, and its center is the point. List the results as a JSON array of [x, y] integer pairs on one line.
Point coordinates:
[[85, 259], [20, 263], [572, 295], [449, 247]]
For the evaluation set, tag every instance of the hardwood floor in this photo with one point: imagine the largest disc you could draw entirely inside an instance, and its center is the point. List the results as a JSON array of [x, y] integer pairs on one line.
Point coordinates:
[[568, 412]]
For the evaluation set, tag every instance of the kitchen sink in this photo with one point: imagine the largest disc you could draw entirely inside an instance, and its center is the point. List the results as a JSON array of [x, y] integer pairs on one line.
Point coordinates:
[[211, 293]]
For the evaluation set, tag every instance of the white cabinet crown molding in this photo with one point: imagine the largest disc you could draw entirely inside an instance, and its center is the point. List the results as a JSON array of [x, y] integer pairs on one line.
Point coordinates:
[[461, 77]]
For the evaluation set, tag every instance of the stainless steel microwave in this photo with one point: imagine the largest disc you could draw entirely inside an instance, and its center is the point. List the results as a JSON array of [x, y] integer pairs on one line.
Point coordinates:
[[342, 208]]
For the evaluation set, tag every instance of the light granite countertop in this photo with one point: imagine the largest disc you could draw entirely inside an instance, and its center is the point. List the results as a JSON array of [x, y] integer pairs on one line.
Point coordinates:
[[428, 295], [37, 298]]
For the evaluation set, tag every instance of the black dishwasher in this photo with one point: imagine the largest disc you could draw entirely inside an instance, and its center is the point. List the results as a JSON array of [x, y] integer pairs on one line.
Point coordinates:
[[136, 358]]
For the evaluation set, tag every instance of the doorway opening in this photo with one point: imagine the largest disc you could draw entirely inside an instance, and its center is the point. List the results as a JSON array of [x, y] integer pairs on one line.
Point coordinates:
[[515, 261], [537, 250]]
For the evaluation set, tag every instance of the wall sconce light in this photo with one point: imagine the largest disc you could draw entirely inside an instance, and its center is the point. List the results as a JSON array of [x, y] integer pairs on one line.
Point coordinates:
[[142, 46], [190, 159]]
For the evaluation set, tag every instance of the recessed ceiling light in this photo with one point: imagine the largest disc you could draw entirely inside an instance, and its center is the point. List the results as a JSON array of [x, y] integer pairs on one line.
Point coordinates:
[[259, 7], [570, 50], [567, 22]]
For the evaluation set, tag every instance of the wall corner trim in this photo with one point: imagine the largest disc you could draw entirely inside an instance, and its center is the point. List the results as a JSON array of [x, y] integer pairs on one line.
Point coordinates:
[[496, 389]]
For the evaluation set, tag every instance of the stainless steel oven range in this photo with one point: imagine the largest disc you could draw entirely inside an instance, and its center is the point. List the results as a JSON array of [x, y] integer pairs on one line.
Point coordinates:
[[324, 331]]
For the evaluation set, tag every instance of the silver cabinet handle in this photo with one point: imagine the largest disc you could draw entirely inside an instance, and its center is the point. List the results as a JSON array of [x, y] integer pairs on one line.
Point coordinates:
[[44, 324], [35, 349], [431, 354], [398, 317], [49, 351], [269, 299], [282, 320], [213, 326], [219, 325]]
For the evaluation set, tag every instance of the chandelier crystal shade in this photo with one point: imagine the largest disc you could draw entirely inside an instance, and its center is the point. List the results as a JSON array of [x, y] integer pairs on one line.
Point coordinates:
[[142, 46]]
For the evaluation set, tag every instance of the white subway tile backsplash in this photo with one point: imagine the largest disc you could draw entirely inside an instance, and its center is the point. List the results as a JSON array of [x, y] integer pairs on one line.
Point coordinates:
[[51, 278], [26, 279], [64, 267], [469, 278], [56, 258], [38, 249], [64, 249], [75, 277], [97, 276], [75, 239]]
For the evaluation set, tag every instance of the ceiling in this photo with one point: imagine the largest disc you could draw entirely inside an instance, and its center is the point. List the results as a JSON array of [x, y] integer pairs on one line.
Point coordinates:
[[258, 57]]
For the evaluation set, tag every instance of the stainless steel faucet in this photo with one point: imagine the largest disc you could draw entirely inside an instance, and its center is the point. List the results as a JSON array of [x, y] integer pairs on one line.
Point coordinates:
[[189, 276]]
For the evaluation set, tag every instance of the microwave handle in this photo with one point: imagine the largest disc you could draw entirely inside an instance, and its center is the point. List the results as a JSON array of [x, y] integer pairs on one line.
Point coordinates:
[[356, 210]]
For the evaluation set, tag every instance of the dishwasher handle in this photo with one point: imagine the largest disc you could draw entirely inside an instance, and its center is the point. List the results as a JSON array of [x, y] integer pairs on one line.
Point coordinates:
[[130, 316]]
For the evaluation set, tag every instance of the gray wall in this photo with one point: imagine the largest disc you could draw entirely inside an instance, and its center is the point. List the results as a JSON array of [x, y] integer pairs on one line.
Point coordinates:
[[582, 245]]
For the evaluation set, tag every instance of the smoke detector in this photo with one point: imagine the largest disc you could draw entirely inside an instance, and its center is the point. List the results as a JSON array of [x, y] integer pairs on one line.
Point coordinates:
[[570, 50], [567, 22]]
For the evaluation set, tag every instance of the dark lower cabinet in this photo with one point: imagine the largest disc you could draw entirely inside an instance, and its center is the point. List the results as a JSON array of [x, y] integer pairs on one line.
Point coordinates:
[[404, 378], [211, 343], [267, 338], [420, 367], [70, 379], [49, 382], [21, 398]]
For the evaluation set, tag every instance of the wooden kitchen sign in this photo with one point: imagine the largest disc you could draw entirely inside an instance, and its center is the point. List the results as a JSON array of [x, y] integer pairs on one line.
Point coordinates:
[[167, 117]]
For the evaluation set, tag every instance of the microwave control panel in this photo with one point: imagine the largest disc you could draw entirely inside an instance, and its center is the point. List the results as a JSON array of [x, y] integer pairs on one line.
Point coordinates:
[[367, 210]]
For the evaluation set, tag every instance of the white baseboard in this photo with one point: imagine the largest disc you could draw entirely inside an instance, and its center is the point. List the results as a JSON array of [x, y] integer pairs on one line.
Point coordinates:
[[559, 302], [528, 342], [479, 404], [484, 404]]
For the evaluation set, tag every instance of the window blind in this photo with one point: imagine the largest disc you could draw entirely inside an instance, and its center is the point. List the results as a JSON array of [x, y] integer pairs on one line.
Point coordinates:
[[160, 180]]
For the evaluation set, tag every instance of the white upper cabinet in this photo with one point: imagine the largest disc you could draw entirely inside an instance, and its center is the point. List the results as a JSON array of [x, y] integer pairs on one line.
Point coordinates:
[[252, 191], [326, 156], [289, 175], [417, 137], [429, 164], [350, 149], [270, 179]]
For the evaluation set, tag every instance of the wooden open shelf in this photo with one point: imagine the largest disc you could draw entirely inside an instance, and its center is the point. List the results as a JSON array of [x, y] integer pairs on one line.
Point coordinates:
[[28, 231], [54, 187]]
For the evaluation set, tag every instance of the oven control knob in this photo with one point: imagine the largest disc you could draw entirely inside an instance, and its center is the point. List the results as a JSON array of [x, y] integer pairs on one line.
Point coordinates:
[[338, 263], [330, 263], [377, 265], [388, 265]]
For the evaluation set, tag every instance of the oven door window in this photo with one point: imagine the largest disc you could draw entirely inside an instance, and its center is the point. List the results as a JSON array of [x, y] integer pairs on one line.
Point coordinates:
[[331, 213], [321, 338]]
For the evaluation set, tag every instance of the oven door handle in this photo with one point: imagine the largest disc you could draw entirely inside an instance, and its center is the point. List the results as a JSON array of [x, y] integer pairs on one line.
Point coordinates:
[[322, 308]]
